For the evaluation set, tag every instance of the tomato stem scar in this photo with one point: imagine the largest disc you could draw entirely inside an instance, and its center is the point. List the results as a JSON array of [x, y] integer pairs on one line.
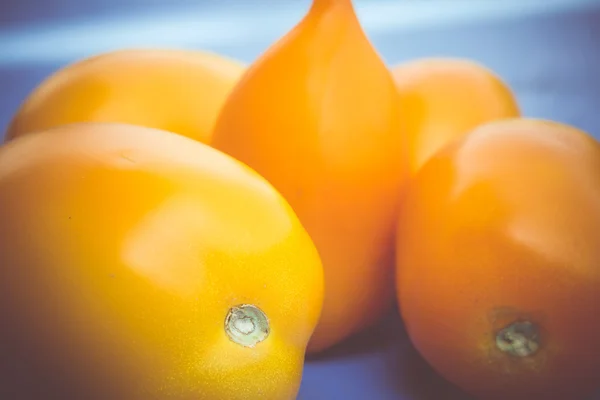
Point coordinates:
[[520, 339], [246, 325]]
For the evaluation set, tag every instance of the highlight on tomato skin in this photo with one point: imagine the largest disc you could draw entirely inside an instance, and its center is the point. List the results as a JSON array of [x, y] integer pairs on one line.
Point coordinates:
[[443, 98], [497, 261], [139, 264], [177, 90], [318, 116]]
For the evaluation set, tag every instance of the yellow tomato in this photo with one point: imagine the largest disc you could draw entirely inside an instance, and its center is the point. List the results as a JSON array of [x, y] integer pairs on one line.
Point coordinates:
[[138, 264], [498, 251], [445, 98], [318, 115], [176, 90]]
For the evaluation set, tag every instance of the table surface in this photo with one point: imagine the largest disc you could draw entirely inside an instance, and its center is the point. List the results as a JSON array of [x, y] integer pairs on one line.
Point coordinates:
[[547, 50]]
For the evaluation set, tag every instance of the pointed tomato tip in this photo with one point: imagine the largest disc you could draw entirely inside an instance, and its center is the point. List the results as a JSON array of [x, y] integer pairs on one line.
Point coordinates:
[[324, 5]]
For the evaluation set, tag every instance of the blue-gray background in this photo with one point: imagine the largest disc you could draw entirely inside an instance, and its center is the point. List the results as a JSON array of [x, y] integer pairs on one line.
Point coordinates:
[[547, 50]]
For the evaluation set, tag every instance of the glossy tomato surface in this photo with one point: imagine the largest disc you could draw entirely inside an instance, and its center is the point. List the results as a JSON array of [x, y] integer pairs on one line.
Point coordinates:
[[180, 91], [498, 248], [138, 264]]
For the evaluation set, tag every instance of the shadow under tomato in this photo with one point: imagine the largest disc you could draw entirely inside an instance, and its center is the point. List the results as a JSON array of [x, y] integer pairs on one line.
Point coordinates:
[[380, 361], [368, 341], [420, 381]]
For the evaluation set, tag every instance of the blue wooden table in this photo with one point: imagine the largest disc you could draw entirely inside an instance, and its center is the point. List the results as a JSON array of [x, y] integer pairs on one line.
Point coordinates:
[[547, 50]]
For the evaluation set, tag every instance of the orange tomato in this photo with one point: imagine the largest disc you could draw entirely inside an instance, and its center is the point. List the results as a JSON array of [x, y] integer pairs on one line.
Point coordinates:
[[138, 264], [175, 90], [444, 98], [498, 279], [318, 116]]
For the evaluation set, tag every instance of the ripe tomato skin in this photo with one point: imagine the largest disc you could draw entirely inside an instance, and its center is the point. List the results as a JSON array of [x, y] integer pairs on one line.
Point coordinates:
[[123, 251], [180, 91], [502, 226], [318, 116], [445, 98]]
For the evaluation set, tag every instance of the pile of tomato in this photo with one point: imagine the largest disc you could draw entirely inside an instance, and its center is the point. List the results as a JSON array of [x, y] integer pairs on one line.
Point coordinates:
[[178, 225]]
